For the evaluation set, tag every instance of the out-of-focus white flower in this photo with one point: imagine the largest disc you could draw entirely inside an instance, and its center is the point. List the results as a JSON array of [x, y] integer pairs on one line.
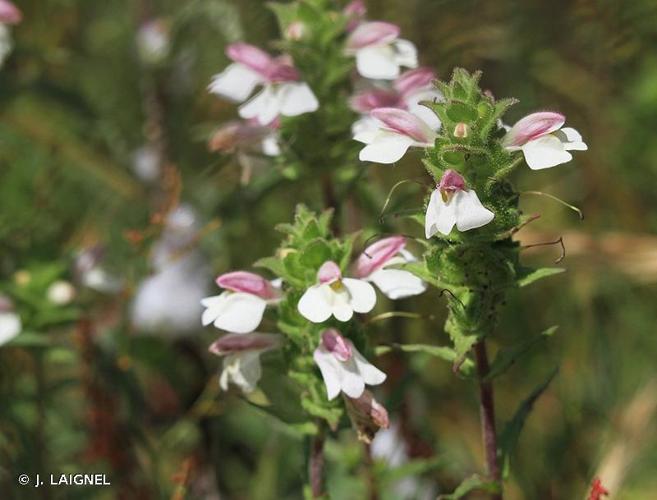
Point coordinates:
[[10, 321], [380, 53], [154, 41], [89, 272], [246, 136], [343, 368], [374, 265], [282, 93], [169, 301], [9, 14], [240, 308], [146, 163], [543, 141], [452, 204], [60, 292], [396, 131], [336, 296], [242, 357]]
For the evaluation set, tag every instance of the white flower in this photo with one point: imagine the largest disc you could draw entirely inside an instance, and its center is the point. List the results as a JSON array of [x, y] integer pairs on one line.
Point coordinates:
[[373, 265], [336, 296], [379, 51], [10, 321], [542, 140], [153, 41], [60, 292], [242, 352], [453, 204], [343, 367], [241, 307], [282, 93], [397, 130]]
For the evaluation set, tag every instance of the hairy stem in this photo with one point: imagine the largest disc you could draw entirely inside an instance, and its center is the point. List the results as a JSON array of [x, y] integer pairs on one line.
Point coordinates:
[[487, 414], [316, 463]]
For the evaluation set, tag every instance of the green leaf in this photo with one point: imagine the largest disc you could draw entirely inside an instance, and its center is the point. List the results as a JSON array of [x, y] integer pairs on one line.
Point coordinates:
[[411, 468], [473, 483], [527, 275], [315, 254], [511, 433], [445, 353], [420, 270], [506, 358], [274, 264]]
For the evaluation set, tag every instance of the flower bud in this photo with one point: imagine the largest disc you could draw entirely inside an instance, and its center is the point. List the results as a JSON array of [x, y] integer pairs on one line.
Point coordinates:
[[296, 30], [60, 292], [367, 416], [461, 130]]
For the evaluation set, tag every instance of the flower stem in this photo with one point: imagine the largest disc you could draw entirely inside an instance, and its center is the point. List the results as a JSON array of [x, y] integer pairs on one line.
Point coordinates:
[[487, 414], [316, 463]]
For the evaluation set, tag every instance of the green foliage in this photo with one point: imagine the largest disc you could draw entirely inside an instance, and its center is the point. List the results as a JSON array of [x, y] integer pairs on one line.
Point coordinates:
[[472, 484]]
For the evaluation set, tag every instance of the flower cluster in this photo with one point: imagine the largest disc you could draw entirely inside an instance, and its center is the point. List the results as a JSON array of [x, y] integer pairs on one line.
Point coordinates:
[[313, 300]]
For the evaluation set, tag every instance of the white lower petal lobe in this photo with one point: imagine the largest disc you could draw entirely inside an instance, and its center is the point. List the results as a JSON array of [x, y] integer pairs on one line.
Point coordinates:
[[329, 366], [264, 107], [386, 147], [545, 152], [236, 82], [316, 305], [470, 213], [406, 53], [378, 62], [239, 312], [352, 382], [397, 283], [296, 99], [371, 374], [363, 296], [440, 216]]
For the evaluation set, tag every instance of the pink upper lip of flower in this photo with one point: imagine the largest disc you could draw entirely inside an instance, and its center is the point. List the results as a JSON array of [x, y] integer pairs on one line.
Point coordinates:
[[245, 282], [414, 80], [375, 256], [9, 13], [532, 127], [366, 101], [272, 69], [337, 345], [329, 272], [372, 33], [451, 181], [238, 342], [403, 122]]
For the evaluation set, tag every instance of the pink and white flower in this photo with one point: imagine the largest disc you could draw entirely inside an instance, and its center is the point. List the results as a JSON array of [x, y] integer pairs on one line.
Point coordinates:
[[355, 11], [396, 131], [543, 141], [453, 204], [343, 368], [375, 262], [379, 51], [336, 296], [282, 93], [240, 308], [407, 92], [241, 353]]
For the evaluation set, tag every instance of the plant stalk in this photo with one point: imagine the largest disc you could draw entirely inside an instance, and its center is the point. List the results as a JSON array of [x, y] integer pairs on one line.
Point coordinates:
[[487, 414], [316, 463]]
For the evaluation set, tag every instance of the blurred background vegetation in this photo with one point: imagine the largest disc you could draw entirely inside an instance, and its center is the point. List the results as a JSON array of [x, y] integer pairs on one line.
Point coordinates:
[[99, 141]]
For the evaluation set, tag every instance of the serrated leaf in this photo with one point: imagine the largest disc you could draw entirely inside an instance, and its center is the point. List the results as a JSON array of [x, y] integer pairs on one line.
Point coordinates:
[[511, 433], [527, 275], [315, 254], [442, 352], [274, 264], [420, 270], [473, 483], [507, 357]]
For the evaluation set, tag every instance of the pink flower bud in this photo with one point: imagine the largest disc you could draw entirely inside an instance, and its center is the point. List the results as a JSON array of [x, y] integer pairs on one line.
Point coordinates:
[[329, 272], [249, 55], [372, 33], [295, 30], [237, 342], [533, 126], [9, 13], [404, 123], [242, 281], [367, 415], [451, 181], [281, 69], [413, 80], [337, 345], [376, 255], [364, 102], [355, 8]]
